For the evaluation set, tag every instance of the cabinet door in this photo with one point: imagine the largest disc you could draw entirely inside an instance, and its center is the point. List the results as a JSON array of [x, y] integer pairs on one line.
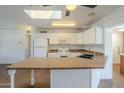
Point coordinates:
[[85, 37], [80, 38], [92, 36], [53, 38], [99, 35], [73, 38]]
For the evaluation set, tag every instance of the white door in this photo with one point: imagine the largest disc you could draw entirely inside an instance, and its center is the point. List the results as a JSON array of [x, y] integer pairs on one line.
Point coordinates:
[[40, 52], [117, 45]]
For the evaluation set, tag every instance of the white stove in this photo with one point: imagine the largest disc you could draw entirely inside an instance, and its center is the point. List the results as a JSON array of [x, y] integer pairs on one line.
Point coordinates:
[[63, 52]]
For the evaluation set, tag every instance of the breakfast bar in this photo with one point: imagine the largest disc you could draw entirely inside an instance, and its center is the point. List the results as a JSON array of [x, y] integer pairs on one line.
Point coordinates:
[[65, 72]]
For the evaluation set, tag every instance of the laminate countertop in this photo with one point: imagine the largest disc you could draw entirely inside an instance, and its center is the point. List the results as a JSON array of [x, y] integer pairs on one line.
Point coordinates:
[[61, 63], [77, 51]]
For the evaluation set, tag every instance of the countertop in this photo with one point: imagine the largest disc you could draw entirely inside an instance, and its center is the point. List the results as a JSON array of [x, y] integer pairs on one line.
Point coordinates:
[[76, 51], [61, 63]]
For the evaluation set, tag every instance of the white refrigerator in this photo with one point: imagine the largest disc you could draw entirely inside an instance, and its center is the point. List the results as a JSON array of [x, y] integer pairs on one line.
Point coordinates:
[[40, 47]]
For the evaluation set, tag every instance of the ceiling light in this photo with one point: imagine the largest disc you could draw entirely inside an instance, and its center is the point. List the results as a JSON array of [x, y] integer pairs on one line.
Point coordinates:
[[91, 14], [64, 24], [71, 7], [44, 14]]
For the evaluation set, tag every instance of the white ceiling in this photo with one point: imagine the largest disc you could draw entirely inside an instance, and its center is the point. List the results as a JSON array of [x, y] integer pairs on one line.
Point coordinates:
[[15, 15]]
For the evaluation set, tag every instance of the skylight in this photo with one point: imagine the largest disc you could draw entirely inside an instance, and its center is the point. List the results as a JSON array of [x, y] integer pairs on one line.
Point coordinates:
[[44, 14]]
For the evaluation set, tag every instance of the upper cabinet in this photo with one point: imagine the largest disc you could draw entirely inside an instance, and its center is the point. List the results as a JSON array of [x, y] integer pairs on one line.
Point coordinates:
[[52, 38], [93, 35], [79, 38], [62, 38]]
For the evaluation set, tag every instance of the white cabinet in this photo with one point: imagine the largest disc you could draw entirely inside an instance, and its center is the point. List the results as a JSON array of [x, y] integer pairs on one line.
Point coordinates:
[[52, 38], [56, 37], [79, 38], [75, 78], [99, 35], [73, 38], [85, 37], [93, 35]]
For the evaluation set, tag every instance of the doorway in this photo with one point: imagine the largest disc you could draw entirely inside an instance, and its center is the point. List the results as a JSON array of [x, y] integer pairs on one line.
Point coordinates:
[[117, 48]]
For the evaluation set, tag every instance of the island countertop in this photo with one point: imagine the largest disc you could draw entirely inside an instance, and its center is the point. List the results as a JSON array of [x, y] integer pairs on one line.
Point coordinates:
[[61, 63]]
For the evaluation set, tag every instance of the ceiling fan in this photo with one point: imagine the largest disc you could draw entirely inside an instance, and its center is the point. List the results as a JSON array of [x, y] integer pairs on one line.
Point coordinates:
[[70, 8]]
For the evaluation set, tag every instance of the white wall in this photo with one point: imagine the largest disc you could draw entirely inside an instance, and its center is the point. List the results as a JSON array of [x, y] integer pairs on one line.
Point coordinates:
[[108, 23], [12, 45]]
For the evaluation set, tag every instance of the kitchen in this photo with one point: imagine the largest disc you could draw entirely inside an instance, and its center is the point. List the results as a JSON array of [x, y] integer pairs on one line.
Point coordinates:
[[87, 49], [61, 50], [66, 42]]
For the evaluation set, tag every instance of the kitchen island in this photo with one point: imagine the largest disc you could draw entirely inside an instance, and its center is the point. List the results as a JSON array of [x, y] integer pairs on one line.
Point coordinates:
[[65, 72]]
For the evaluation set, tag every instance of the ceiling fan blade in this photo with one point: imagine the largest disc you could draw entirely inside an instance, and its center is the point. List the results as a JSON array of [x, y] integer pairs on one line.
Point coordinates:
[[67, 13], [90, 6]]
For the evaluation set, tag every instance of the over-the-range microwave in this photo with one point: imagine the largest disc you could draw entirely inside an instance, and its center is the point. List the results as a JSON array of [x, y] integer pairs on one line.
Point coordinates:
[[64, 40]]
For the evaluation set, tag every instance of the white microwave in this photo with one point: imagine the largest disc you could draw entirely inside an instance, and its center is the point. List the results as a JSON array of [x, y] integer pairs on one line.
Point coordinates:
[[64, 40]]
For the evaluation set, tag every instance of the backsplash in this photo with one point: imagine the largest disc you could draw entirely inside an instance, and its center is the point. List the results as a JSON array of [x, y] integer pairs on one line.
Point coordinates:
[[97, 47]]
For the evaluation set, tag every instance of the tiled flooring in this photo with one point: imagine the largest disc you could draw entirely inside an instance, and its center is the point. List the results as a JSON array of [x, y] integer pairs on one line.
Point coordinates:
[[22, 78]]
